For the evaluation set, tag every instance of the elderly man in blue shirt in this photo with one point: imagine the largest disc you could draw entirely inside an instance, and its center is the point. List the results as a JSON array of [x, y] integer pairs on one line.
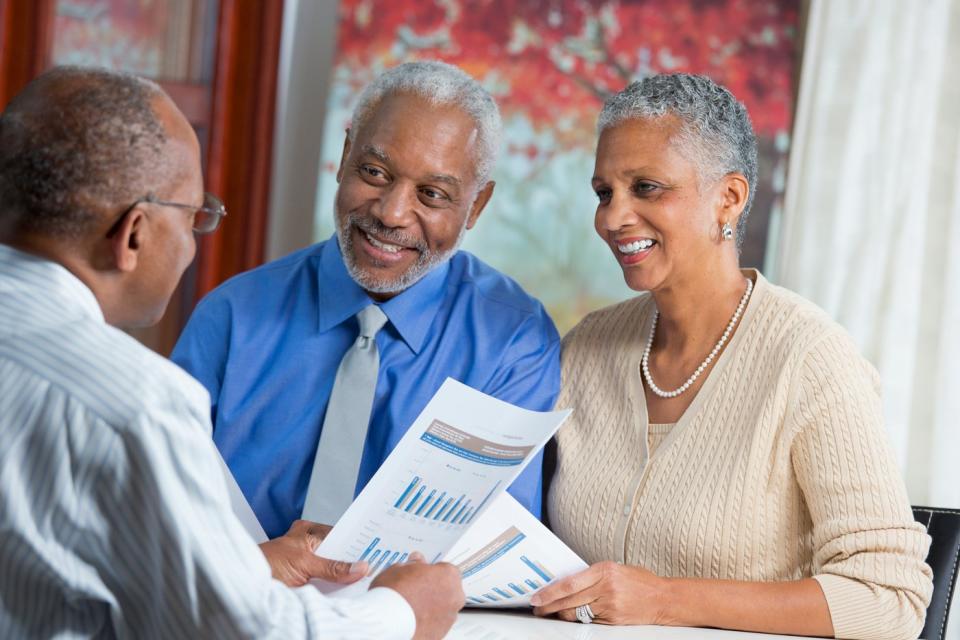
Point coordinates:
[[318, 363]]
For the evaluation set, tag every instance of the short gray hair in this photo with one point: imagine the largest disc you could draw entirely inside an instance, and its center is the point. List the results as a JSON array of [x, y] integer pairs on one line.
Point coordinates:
[[441, 84], [716, 133], [76, 139]]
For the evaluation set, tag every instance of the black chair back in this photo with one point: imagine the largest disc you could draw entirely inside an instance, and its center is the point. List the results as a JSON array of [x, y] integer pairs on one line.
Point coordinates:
[[943, 525]]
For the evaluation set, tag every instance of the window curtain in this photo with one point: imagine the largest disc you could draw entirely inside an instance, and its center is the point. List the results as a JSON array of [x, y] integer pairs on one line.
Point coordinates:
[[871, 222]]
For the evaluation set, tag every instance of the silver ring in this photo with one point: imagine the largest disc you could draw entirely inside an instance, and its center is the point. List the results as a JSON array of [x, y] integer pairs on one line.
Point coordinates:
[[585, 614]]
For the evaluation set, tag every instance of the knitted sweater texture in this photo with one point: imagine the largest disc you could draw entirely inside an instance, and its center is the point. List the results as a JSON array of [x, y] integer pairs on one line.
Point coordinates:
[[780, 468]]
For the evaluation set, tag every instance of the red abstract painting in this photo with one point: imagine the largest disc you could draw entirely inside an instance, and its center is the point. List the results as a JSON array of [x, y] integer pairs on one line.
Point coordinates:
[[550, 65]]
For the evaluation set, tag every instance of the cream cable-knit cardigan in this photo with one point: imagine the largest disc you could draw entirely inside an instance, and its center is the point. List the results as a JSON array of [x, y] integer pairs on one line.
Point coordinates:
[[779, 469]]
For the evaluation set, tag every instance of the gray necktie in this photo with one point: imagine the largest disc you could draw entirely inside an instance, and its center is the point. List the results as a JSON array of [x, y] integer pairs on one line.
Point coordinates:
[[337, 463]]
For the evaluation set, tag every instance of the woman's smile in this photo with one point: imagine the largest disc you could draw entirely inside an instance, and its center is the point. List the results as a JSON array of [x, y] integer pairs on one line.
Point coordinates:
[[631, 251]]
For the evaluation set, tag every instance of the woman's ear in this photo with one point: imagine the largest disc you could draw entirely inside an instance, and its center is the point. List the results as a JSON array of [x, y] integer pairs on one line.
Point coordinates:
[[735, 191]]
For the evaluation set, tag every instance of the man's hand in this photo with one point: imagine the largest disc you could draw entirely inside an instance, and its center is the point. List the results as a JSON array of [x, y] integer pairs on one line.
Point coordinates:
[[434, 591], [294, 563]]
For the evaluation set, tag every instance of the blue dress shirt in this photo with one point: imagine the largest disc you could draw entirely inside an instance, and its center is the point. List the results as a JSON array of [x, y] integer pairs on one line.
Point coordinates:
[[267, 343]]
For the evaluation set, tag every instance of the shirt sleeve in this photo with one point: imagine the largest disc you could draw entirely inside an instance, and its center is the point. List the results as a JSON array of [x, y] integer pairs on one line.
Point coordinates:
[[529, 377], [868, 550], [203, 346], [181, 563]]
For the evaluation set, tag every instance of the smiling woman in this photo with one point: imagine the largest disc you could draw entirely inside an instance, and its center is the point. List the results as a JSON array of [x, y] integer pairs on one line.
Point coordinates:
[[756, 489], [653, 199]]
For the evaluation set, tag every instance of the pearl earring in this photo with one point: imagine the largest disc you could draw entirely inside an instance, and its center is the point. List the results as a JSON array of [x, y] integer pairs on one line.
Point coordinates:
[[726, 231]]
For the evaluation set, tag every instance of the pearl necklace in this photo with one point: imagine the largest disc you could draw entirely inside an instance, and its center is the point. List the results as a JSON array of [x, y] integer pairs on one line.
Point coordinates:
[[645, 360]]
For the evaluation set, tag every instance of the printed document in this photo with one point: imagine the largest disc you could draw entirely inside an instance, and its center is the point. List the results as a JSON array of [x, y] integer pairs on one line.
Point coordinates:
[[452, 465], [508, 555]]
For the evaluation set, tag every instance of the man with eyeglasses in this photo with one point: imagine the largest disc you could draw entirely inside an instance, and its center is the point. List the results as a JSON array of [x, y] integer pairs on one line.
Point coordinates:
[[114, 508]]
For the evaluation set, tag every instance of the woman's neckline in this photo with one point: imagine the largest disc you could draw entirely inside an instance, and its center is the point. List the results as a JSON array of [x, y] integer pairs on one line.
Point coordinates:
[[710, 381]]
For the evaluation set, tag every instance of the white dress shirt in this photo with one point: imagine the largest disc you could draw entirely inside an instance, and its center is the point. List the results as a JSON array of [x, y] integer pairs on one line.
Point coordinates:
[[114, 515]]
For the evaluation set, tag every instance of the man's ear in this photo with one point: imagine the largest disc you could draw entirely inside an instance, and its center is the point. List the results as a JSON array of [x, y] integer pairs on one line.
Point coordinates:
[[343, 157], [127, 241], [483, 197]]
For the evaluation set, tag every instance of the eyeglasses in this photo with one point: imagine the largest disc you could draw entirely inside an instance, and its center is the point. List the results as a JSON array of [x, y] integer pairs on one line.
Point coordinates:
[[206, 217]]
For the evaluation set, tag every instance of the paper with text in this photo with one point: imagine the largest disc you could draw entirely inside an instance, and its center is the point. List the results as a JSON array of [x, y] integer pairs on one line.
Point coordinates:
[[457, 458], [508, 555]]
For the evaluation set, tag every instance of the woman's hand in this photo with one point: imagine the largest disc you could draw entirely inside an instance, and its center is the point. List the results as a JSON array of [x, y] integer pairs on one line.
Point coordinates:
[[616, 593], [619, 594]]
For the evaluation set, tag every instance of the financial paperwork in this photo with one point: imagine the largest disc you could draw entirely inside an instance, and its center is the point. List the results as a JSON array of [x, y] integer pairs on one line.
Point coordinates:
[[508, 555], [456, 459]]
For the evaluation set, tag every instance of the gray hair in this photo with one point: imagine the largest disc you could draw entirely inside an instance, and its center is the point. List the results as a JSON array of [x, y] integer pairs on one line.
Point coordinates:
[[441, 84], [74, 140], [716, 133]]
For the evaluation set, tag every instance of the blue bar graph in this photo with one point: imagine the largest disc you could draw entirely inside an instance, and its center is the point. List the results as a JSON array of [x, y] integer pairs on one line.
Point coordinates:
[[406, 492], [480, 506], [435, 504], [538, 568], [392, 560], [373, 544], [444, 509], [416, 498], [424, 504], [463, 507], [521, 588], [514, 589], [380, 559], [419, 499], [454, 507]]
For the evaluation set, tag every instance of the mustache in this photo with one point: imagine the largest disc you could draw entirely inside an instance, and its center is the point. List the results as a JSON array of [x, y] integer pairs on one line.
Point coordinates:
[[374, 227]]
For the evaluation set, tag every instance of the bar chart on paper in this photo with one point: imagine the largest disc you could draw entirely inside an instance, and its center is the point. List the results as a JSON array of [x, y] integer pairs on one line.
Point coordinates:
[[420, 500], [450, 478], [524, 584], [538, 577], [455, 461], [380, 558], [448, 452], [502, 566]]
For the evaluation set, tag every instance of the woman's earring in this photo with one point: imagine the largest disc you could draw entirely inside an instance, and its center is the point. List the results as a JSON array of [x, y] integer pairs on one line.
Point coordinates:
[[726, 231]]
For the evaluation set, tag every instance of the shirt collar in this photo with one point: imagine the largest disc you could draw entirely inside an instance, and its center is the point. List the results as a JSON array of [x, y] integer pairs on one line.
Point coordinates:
[[19, 270], [411, 312]]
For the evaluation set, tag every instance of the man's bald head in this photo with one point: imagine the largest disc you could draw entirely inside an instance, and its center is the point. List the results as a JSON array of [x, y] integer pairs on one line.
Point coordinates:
[[76, 144]]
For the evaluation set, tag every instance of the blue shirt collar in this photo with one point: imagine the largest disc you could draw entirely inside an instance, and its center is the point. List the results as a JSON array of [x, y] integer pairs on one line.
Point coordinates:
[[411, 312]]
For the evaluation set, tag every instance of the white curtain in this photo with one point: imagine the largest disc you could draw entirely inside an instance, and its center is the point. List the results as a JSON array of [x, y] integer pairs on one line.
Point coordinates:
[[871, 223]]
